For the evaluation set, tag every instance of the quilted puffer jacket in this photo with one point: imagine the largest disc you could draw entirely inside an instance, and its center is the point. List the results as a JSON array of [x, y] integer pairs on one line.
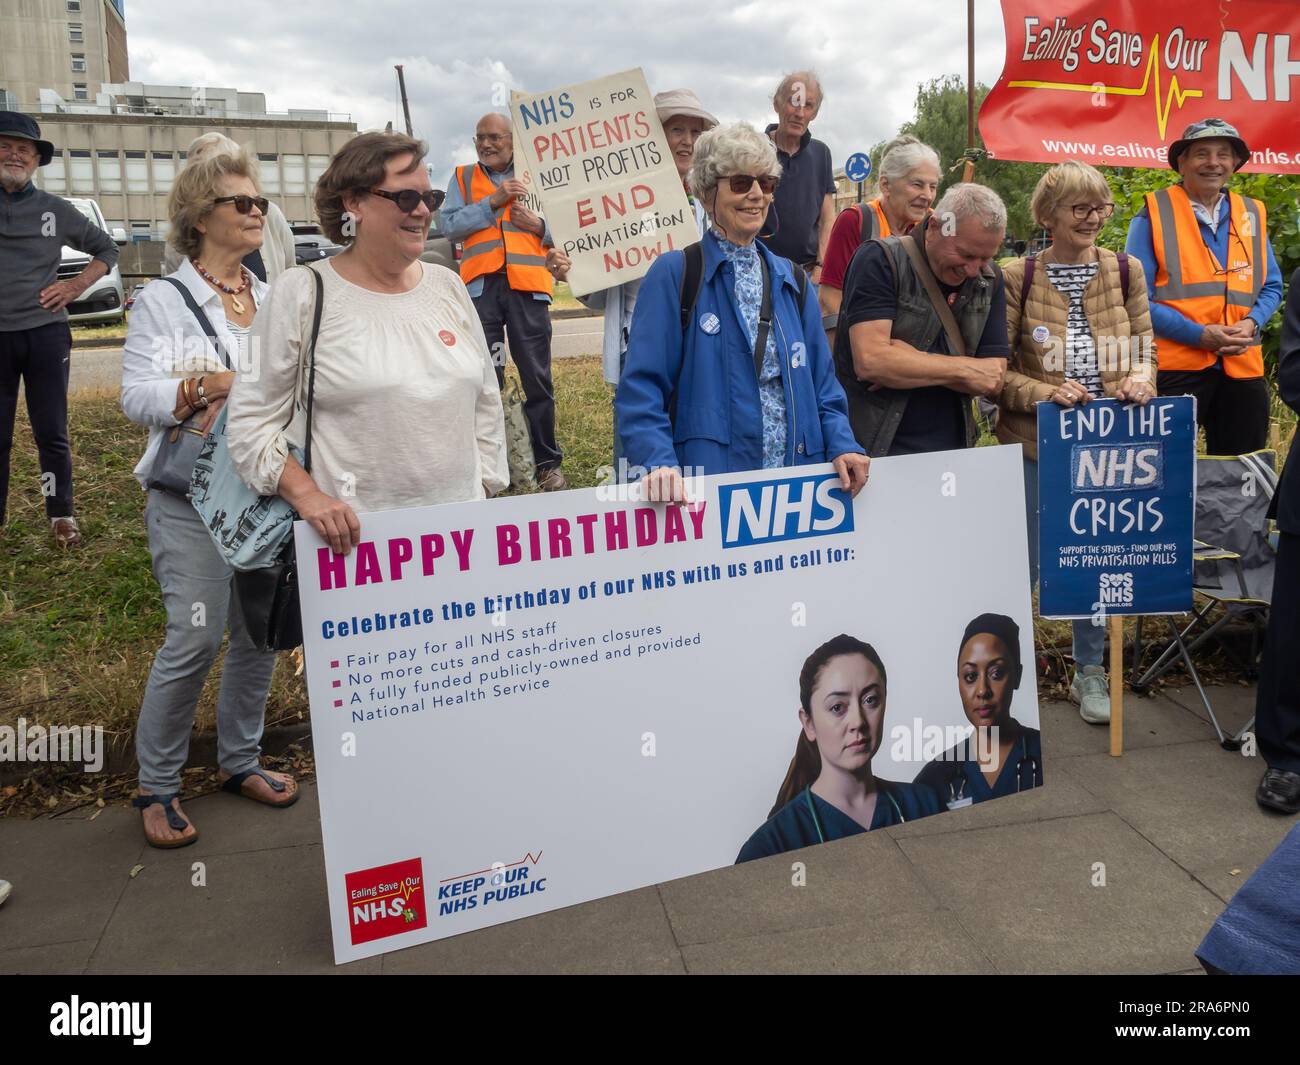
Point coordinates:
[[1122, 330]]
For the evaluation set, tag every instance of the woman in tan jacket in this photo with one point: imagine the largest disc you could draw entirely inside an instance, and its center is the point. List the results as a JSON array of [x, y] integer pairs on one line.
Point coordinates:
[[1079, 329]]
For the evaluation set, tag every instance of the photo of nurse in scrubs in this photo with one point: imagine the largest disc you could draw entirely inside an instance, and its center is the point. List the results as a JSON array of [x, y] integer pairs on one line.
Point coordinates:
[[830, 791], [1002, 756]]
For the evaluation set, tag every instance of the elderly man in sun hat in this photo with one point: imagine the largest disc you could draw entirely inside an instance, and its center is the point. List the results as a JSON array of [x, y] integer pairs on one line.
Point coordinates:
[[35, 341], [1214, 286]]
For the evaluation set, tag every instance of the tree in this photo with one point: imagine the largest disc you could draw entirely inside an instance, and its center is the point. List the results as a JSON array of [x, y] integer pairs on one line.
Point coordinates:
[[941, 123]]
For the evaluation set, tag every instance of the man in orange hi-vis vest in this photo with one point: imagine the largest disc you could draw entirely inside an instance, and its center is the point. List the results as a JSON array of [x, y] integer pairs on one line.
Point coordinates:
[[504, 267], [1214, 286]]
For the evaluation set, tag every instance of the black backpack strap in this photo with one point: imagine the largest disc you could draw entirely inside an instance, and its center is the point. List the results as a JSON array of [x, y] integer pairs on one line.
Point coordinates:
[[1123, 274], [692, 279], [870, 223], [1025, 282], [802, 274], [311, 356], [204, 322]]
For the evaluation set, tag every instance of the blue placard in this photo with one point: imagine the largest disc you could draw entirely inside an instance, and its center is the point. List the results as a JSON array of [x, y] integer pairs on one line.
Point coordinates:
[[1116, 490], [858, 168]]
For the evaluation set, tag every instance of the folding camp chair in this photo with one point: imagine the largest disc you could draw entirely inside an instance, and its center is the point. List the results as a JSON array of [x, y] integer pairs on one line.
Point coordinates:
[[1233, 561]]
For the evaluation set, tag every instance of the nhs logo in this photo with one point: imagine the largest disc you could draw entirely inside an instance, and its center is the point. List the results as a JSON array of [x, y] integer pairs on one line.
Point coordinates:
[[761, 512]]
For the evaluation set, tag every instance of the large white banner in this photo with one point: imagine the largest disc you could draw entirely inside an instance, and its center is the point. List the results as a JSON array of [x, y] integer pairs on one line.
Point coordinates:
[[599, 161], [527, 703]]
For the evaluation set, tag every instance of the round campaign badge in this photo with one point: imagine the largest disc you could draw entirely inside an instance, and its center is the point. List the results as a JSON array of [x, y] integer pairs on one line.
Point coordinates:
[[1041, 333], [447, 337], [709, 323]]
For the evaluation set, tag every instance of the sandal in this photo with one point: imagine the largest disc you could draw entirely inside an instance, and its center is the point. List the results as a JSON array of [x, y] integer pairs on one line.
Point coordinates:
[[174, 820], [234, 785]]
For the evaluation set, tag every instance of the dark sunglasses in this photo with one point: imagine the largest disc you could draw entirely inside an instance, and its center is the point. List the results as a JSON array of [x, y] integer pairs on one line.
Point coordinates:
[[741, 183], [245, 204], [409, 199]]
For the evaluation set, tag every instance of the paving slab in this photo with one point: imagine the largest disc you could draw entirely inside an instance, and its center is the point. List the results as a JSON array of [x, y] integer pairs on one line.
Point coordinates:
[[68, 876], [1234, 704], [258, 912], [621, 934], [858, 879], [1025, 895], [1060, 796], [902, 943], [57, 959], [1195, 802], [229, 824], [1149, 721]]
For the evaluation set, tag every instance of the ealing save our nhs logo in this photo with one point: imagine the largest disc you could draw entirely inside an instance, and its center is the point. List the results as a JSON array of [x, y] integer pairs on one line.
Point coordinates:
[[763, 512]]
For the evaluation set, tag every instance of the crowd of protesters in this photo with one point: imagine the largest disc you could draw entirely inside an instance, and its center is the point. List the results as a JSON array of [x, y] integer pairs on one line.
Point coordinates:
[[898, 309]]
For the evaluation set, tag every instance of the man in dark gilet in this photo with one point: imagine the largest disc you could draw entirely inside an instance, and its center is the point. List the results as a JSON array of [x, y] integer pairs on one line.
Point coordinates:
[[908, 390]]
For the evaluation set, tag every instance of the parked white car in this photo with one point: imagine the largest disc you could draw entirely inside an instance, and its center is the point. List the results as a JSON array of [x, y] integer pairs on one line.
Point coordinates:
[[104, 300]]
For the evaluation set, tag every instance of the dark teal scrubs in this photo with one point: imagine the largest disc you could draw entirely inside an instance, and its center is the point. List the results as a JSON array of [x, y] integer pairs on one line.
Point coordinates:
[[797, 823], [955, 776]]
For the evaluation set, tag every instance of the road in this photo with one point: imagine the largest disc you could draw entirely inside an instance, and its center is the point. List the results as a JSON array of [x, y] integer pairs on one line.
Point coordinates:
[[100, 369]]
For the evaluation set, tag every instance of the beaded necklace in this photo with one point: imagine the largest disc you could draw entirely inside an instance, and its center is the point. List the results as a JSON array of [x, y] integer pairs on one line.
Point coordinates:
[[233, 293]]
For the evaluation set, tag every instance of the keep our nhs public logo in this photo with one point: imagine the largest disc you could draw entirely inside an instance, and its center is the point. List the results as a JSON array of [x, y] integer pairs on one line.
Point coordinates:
[[762, 512]]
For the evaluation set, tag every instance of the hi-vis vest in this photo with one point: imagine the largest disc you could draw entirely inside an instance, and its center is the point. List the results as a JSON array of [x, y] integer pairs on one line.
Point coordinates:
[[1190, 278], [874, 222], [504, 244]]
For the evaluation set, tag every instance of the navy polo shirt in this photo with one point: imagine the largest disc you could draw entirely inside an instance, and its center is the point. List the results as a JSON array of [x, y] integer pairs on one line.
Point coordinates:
[[806, 178]]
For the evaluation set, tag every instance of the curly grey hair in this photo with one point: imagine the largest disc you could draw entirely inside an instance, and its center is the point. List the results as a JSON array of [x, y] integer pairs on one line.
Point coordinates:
[[725, 150]]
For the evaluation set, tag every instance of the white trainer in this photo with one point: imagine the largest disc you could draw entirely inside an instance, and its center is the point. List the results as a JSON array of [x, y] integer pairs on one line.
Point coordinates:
[[1091, 690]]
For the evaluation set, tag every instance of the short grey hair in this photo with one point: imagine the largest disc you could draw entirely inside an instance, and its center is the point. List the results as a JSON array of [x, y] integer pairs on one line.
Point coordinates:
[[807, 78], [904, 154], [734, 149], [211, 143], [968, 200]]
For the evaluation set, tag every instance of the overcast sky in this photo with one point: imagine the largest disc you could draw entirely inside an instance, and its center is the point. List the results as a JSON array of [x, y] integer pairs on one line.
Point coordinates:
[[339, 55]]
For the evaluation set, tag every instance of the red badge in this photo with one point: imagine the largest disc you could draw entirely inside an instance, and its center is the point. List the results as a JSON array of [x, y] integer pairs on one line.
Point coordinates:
[[447, 337], [385, 901]]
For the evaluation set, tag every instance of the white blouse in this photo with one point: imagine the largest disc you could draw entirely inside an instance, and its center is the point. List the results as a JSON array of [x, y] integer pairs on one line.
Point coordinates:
[[407, 411], [165, 342]]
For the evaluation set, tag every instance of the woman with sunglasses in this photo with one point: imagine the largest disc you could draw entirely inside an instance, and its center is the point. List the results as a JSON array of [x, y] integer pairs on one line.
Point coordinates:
[[406, 411], [1002, 756], [1079, 329], [173, 373], [734, 375]]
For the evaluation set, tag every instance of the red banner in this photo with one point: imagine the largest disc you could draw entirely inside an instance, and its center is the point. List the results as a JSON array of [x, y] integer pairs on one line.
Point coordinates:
[[1115, 82]]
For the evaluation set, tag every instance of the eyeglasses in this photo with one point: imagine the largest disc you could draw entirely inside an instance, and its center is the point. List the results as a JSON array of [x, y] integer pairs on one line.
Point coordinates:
[[1083, 211], [408, 200], [20, 149], [740, 184], [245, 204], [490, 138]]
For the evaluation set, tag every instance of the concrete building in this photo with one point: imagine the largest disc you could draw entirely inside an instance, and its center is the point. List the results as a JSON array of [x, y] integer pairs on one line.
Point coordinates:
[[67, 46], [65, 63], [125, 148]]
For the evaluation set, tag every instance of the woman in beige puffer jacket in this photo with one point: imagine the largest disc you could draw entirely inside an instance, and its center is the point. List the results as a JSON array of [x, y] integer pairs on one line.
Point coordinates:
[[1078, 333]]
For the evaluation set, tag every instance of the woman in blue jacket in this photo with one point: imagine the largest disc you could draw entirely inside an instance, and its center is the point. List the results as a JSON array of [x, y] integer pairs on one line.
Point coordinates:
[[694, 396]]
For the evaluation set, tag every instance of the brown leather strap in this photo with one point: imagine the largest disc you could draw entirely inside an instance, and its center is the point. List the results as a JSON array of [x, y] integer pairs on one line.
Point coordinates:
[[921, 265]]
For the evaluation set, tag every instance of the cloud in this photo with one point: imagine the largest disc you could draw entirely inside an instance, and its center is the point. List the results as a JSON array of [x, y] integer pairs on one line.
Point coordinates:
[[460, 59]]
